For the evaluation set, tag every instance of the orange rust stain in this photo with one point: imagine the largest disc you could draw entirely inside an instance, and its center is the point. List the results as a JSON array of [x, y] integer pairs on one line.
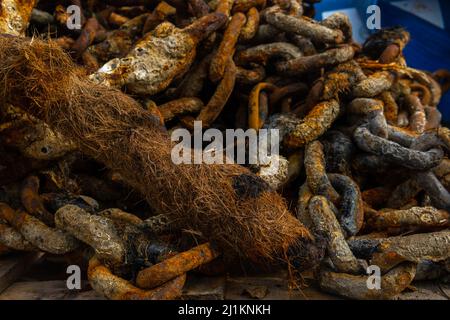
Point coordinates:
[[172, 267]]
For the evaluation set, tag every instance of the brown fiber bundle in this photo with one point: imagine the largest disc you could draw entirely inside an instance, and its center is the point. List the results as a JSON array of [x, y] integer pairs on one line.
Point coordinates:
[[227, 203]]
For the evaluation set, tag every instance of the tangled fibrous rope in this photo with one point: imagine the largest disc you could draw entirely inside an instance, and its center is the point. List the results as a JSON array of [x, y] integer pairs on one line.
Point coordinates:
[[227, 203]]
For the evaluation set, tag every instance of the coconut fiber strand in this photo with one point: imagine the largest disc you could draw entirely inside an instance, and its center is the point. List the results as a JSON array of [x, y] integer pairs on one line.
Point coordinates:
[[227, 203]]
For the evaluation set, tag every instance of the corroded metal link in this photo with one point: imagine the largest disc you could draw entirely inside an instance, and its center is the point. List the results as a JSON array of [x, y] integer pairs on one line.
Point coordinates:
[[316, 175], [324, 219], [37, 233], [351, 205], [395, 153], [314, 124], [175, 266], [116, 288], [414, 248], [355, 287]]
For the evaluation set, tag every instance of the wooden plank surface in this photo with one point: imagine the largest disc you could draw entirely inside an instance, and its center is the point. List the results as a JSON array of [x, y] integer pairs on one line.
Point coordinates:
[[270, 288], [46, 290], [204, 288], [426, 290], [47, 281], [12, 267]]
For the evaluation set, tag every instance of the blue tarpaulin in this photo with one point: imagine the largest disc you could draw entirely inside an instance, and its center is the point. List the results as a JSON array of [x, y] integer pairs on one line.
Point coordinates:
[[429, 48]]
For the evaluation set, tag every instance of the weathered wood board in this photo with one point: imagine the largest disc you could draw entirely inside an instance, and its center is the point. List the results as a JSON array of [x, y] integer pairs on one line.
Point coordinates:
[[12, 267]]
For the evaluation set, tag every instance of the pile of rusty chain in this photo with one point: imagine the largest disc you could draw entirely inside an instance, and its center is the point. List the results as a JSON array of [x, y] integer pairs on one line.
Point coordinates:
[[361, 139]]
